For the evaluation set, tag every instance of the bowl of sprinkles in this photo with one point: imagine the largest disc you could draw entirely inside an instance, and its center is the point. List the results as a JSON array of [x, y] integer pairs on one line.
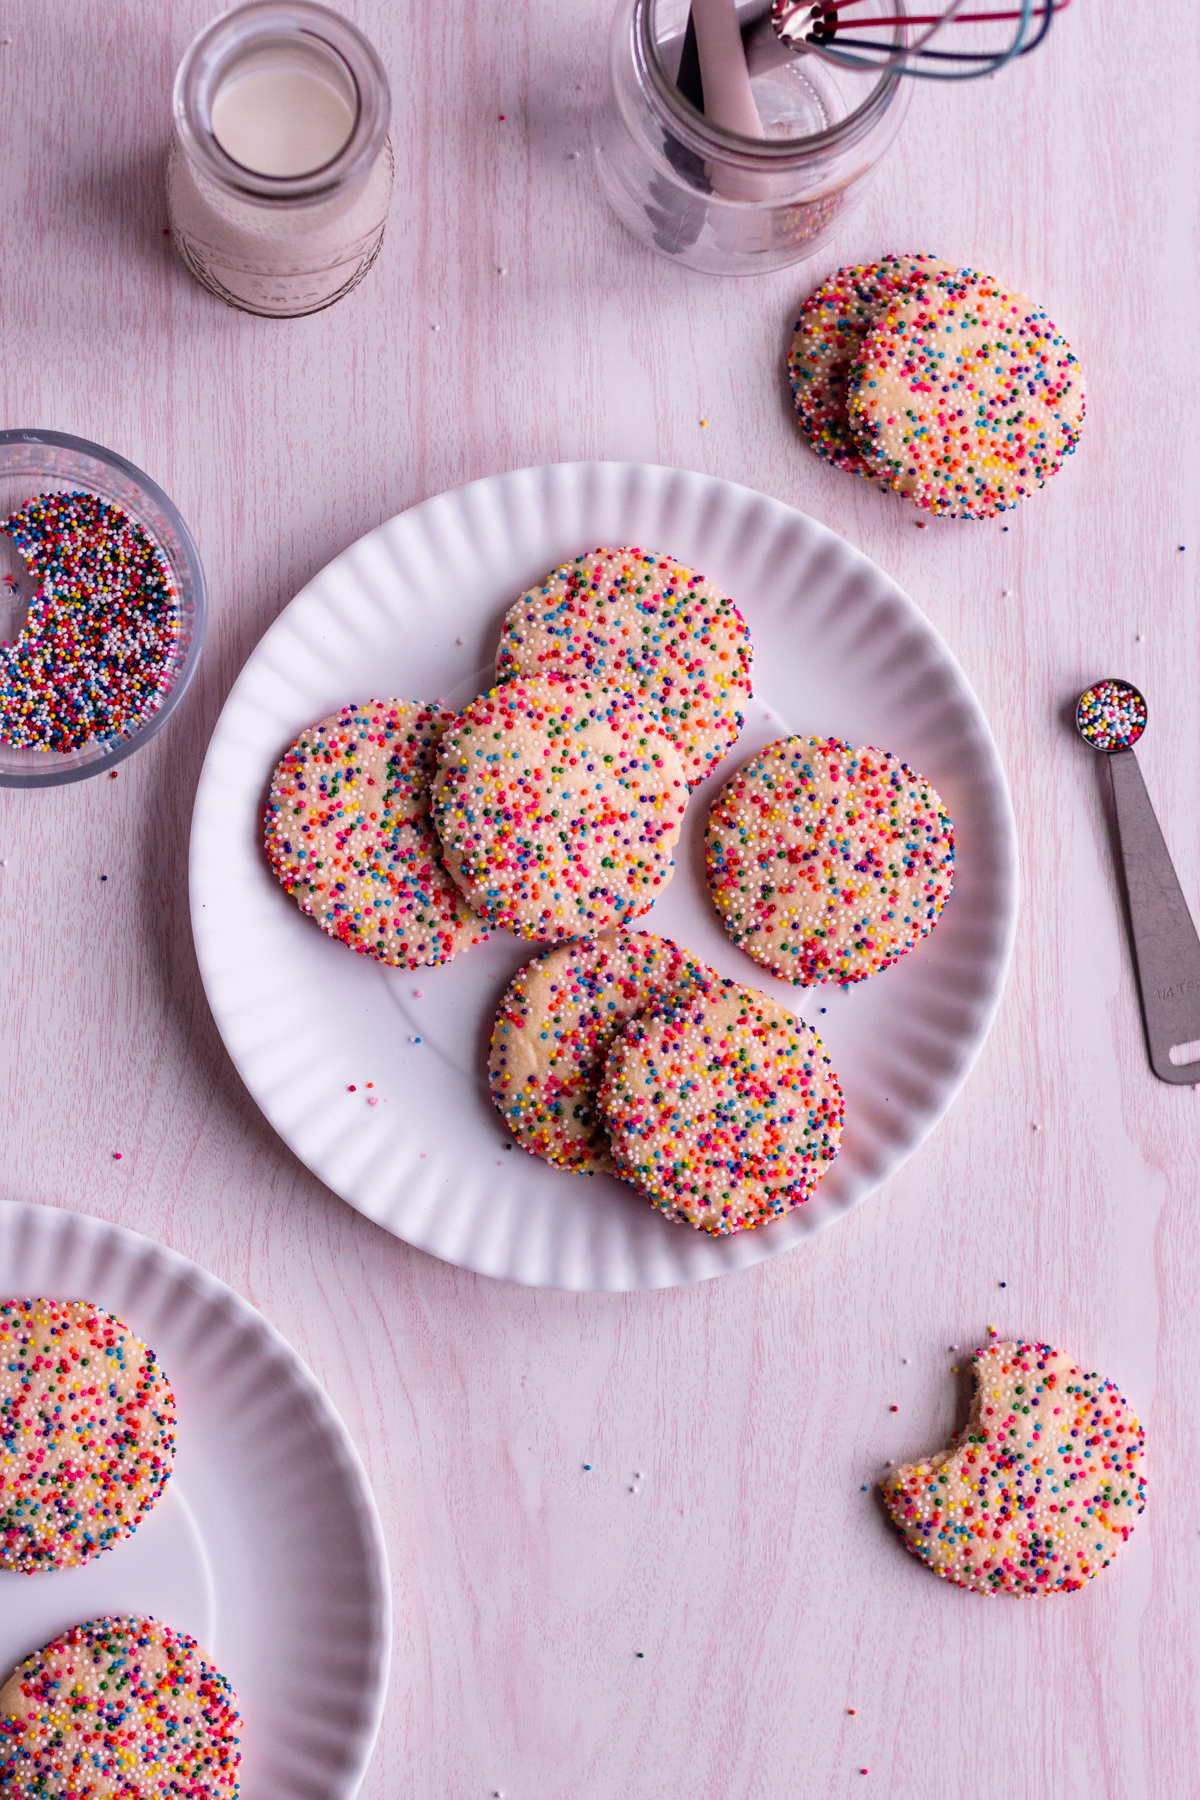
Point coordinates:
[[103, 606]]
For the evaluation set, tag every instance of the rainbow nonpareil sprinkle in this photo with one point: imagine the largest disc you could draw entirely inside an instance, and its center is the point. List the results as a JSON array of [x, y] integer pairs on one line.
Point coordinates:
[[1111, 715], [122, 1707], [91, 661], [554, 1029], [87, 1433], [558, 805], [722, 1109], [1041, 1490], [828, 862]]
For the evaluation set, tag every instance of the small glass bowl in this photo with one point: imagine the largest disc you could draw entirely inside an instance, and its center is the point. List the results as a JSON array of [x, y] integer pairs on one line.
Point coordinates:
[[44, 462]]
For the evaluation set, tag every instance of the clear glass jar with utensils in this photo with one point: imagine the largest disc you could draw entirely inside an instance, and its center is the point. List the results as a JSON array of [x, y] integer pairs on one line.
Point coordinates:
[[280, 169], [724, 148]]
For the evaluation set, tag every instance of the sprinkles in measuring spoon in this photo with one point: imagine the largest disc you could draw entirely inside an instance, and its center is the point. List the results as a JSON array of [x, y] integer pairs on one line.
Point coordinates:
[[1111, 715]]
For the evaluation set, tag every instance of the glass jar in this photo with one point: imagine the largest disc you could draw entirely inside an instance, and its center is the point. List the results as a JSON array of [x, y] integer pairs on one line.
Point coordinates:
[[290, 84], [711, 198]]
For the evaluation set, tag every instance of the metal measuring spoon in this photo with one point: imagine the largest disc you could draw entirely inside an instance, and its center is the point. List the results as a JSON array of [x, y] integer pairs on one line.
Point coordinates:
[[1111, 717]]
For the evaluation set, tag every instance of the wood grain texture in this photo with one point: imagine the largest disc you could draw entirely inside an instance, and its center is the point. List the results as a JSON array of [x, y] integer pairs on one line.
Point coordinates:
[[765, 1590]]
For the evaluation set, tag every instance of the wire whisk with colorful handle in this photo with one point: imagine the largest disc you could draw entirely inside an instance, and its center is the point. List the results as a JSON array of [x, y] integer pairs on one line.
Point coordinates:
[[861, 35]]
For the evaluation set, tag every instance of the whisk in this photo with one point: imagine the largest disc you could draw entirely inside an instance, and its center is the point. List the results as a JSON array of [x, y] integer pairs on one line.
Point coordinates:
[[841, 32]]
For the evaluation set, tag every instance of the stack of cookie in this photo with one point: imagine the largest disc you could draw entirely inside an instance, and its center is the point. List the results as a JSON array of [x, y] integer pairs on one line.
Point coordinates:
[[550, 807], [560, 793], [558, 799], [938, 382], [621, 1054]]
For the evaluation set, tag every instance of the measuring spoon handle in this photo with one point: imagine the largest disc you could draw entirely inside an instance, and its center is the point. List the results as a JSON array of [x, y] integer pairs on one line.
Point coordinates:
[[1165, 945]]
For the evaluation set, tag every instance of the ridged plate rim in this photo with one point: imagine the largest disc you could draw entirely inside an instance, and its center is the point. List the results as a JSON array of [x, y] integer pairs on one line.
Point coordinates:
[[399, 606], [312, 1697]]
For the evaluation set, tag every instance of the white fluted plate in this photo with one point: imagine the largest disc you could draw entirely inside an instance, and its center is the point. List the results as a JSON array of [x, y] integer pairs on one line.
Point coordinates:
[[413, 610], [266, 1546]]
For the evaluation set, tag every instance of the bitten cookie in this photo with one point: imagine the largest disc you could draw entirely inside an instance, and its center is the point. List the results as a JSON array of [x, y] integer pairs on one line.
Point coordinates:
[[965, 397], [118, 1709], [87, 1433], [644, 621], [553, 1030], [348, 834], [1041, 1490], [828, 340], [558, 804], [826, 862], [724, 1111]]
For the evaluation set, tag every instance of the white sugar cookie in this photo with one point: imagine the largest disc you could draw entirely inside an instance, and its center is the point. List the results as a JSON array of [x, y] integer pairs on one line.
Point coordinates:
[[348, 834], [87, 1433], [827, 862], [641, 619], [118, 1709], [724, 1110], [558, 804], [965, 397], [554, 1028], [1041, 1490]]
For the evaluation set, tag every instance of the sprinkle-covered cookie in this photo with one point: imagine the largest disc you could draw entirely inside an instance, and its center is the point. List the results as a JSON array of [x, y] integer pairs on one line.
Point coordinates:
[[965, 397], [348, 833], [554, 1028], [723, 1110], [87, 1433], [558, 804], [118, 1709], [826, 862], [828, 340], [642, 620], [1042, 1488]]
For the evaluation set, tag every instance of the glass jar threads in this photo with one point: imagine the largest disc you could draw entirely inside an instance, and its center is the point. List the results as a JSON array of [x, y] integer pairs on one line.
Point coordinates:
[[280, 167]]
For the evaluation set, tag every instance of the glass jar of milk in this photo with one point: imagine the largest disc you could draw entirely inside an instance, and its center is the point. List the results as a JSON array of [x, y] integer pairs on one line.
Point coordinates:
[[280, 170]]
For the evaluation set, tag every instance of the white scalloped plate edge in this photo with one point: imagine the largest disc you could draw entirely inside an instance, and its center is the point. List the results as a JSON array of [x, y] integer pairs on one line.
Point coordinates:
[[273, 1484], [413, 608]]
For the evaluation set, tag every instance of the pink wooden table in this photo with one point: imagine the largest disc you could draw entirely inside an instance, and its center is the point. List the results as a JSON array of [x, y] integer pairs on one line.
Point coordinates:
[[764, 1589]]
